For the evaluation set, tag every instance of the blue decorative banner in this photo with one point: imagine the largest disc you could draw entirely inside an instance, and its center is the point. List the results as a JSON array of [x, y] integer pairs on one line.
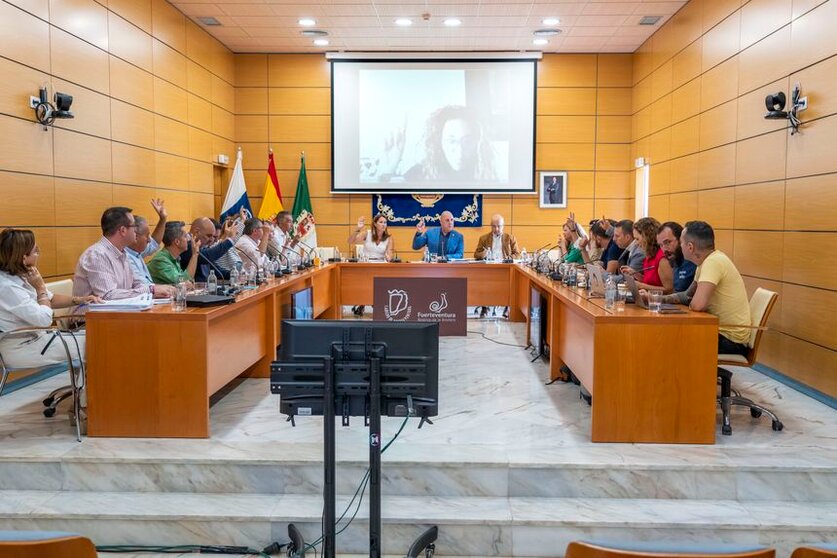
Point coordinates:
[[404, 210]]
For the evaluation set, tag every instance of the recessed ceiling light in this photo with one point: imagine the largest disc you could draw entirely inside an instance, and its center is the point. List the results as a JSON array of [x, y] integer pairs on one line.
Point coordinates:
[[403, 22], [546, 32], [209, 20], [321, 42], [551, 21], [540, 42], [453, 22], [307, 22]]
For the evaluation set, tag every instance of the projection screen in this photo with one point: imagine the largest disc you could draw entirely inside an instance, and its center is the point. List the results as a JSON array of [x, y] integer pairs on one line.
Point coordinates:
[[433, 126]]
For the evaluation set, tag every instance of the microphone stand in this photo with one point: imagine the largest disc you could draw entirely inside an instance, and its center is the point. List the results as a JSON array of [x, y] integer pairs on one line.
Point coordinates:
[[308, 257]]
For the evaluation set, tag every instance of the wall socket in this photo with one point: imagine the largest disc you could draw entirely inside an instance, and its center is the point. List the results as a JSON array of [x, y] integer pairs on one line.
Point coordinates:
[[802, 104], [33, 101]]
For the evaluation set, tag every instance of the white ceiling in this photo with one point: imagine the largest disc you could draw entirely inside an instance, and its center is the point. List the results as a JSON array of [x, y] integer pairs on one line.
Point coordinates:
[[487, 25]]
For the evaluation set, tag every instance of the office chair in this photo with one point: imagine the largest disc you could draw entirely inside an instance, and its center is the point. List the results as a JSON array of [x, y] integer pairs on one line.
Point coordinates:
[[654, 549], [818, 550], [761, 304], [45, 544]]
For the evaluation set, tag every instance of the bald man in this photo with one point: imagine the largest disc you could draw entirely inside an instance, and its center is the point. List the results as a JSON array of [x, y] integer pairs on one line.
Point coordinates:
[[213, 255], [442, 241], [500, 245]]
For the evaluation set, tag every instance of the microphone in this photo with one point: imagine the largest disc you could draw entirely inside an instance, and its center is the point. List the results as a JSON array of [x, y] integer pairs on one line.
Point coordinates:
[[286, 269], [212, 264], [308, 256], [395, 258], [254, 262]]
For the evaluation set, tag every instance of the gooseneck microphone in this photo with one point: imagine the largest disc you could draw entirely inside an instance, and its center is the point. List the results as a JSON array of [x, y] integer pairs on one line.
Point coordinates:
[[309, 251], [286, 269], [212, 264]]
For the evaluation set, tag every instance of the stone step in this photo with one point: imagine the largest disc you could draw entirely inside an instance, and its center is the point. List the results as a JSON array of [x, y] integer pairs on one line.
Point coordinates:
[[474, 526], [654, 472]]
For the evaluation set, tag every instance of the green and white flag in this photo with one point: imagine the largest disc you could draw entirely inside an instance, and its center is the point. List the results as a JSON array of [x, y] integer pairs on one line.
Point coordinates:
[[302, 212]]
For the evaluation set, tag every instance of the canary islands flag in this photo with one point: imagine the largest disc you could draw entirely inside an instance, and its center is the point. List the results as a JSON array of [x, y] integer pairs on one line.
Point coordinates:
[[236, 197]]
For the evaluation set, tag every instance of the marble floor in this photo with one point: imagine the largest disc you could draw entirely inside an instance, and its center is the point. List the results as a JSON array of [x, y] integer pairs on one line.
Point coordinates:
[[507, 467]]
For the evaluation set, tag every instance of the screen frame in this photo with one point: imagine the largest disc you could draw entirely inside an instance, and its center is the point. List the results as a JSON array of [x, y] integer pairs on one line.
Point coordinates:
[[533, 187]]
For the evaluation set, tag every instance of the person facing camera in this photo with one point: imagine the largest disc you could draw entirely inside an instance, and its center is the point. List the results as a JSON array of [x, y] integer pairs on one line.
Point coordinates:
[[378, 244], [441, 241], [165, 265], [25, 301], [497, 244]]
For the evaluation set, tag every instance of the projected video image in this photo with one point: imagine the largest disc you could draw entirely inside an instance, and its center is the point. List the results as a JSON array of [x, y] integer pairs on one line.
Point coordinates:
[[434, 129]]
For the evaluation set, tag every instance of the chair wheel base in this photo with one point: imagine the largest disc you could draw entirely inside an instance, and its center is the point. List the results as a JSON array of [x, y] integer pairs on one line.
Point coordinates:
[[778, 426], [49, 412], [755, 413], [726, 430], [48, 401]]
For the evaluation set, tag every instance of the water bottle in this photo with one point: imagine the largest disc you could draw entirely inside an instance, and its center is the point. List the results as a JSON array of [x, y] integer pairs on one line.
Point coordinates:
[[427, 255], [234, 277], [211, 283], [337, 256], [611, 293], [523, 256], [179, 298]]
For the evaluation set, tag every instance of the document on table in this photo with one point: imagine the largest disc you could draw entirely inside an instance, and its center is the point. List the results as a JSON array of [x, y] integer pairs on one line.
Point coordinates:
[[134, 304]]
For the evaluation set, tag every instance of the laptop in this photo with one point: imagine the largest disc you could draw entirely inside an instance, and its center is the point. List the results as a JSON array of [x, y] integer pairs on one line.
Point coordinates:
[[630, 282], [595, 275]]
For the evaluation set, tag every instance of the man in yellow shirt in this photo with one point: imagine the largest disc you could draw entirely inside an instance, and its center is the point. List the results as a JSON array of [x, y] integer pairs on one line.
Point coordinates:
[[717, 289]]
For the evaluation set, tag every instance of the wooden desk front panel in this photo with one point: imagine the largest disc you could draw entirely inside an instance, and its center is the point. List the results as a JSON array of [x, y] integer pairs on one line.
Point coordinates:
[[239, 340], [655, 383], [488, 284], [147, 378]]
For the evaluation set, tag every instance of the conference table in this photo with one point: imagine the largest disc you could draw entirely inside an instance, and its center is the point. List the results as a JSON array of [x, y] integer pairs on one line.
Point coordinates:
[[153, 373]]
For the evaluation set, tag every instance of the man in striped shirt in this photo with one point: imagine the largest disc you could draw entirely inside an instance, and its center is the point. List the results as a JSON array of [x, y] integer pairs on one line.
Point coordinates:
[[103, 269]]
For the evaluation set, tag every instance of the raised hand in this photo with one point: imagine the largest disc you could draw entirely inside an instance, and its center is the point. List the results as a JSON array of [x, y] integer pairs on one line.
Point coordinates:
[[160, 208], [393, 150], [420, 226], [228, 230], [361, 223]]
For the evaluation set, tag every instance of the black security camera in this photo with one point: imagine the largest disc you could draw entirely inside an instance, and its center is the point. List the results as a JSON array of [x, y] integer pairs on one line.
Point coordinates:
[[775, 104], [63, 102]]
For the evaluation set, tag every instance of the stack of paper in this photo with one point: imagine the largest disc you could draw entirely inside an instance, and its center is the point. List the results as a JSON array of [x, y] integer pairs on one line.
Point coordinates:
[[135, 304]]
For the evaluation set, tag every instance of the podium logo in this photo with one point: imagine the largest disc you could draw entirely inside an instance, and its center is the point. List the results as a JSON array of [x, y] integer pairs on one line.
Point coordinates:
[[398, 305], [439, 305]]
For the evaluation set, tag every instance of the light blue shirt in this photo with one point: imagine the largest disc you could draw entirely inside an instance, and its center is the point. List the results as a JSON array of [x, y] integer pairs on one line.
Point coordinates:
[[137, 261]]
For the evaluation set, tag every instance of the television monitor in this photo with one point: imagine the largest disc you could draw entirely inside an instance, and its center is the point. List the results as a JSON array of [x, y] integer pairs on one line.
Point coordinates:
[[302, 304], [408, 353]]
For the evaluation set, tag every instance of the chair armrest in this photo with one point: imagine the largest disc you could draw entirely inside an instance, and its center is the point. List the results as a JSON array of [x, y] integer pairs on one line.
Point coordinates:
[[24, 330]]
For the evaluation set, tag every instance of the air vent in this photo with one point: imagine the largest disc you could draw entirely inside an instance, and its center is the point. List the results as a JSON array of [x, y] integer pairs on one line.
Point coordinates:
[[546, 32], [209, 20], [650, 20], [313, 33]]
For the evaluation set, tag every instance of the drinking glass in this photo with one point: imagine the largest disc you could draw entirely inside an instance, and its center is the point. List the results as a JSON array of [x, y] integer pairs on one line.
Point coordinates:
[[655, 300], [178, 300], [621, 297]]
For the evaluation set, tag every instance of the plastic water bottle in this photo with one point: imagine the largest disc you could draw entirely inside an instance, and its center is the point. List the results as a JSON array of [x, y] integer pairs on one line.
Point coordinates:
[[211, 283], [234, 278], [427, 255], [611, 293], [523, 256]]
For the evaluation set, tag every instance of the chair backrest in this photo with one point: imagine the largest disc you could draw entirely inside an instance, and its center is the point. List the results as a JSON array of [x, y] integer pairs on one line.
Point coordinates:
[[654, 549], [761, 304], [45, 544], [62, 287], [819, 550], [326, 252]]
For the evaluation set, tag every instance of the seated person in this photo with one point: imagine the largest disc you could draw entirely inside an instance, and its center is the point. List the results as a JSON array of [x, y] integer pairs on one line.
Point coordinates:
[[252, 245], [165, 265], [717, 289], [283, 242], [668, 237], [147, 242], [632, 254], [378, 244], [498, 244], [214, 255], [442, 241], [26, 302], [103, 269], [571, 244], [656, 269], [602, 233]]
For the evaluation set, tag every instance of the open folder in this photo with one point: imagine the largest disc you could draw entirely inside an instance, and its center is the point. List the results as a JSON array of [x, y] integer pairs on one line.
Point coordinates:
[[134, 304]]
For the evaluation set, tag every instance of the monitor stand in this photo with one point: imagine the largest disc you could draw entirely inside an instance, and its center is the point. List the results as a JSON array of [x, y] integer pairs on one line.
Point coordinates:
[[425, 541]]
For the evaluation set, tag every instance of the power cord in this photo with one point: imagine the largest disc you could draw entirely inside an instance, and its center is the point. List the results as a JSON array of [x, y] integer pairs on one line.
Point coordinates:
[[495, 341]]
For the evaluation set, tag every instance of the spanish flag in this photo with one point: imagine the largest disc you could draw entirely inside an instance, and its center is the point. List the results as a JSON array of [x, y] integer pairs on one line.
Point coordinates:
[[272, 200]]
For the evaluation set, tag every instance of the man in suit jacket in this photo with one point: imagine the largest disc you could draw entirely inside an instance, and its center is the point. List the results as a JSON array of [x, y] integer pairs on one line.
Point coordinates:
[[502, 245]]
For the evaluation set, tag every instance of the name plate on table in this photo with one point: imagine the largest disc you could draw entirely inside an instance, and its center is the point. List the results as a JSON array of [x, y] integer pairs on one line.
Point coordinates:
[[431, 299]]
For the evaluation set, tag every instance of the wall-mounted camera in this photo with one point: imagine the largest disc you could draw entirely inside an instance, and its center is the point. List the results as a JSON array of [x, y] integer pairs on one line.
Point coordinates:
[[45, 112], [775, 104]]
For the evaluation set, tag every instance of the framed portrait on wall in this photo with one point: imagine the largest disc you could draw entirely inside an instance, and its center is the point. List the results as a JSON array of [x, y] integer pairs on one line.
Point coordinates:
[[553, 190]]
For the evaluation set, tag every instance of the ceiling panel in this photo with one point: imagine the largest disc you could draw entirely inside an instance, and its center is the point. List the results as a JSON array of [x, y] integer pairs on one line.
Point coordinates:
[[487, 25]]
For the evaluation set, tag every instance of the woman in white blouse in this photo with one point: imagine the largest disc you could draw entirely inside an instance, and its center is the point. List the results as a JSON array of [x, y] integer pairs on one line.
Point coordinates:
[[378, 244], [26, 302]]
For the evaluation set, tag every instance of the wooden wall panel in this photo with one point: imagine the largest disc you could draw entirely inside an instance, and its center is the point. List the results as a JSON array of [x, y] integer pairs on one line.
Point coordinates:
[[28, 200], [131, 84], [771, 196], [75, 60], [129, 42], [77, 210], [85, 19], [24, 146]]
